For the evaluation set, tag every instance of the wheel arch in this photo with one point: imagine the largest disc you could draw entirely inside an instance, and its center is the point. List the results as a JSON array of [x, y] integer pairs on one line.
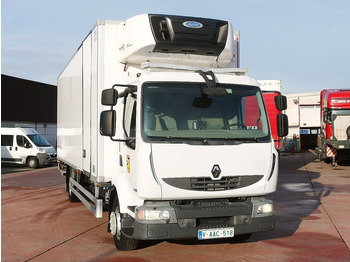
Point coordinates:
[[127, 197]]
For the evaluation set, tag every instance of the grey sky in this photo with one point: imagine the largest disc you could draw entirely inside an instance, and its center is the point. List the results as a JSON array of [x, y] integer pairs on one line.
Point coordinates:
[[305, 43]]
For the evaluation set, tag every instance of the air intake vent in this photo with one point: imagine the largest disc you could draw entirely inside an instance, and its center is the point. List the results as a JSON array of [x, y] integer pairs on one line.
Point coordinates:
[[163, 30], [207, 184], [189, 35]]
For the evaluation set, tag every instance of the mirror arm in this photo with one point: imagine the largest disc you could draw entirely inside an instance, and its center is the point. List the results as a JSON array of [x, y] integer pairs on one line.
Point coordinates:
[[122, 140], [117, 140], [128, 90]]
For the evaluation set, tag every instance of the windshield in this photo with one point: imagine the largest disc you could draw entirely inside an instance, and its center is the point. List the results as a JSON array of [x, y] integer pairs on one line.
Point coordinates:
[[38, 140], [181, 112]]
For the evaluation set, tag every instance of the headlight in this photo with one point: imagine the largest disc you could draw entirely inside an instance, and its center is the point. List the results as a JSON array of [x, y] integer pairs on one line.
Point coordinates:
[[262, 207], [42, 150], [153, 215], [265, 209]]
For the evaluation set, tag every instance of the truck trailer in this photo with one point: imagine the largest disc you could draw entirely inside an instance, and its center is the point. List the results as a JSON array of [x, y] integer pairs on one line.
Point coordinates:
[[158, 126], [333, 142]]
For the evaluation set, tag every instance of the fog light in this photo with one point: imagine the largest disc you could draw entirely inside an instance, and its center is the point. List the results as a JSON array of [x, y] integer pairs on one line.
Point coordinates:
[[265, 209]]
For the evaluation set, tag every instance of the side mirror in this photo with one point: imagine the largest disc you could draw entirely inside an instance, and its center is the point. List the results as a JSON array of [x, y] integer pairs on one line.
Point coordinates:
[[281, 102], [282, 125], [109, 97], [107, 123]]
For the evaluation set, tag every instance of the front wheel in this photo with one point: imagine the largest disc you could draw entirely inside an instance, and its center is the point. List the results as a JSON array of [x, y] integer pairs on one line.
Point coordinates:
[[32, 162], [122, 242]]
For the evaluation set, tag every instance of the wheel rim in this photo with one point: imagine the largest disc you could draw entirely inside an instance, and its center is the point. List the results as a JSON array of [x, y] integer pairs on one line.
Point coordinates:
[[31, 162], [114, 224]]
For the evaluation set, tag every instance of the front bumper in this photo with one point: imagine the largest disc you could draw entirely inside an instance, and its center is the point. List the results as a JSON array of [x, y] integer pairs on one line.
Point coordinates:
[[46, 159], [190, 218], [173, 231]]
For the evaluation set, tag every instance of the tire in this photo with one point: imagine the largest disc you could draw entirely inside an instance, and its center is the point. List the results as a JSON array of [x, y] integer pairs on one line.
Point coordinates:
[[327, 160], [121, 242], [72, 197], [32, 162]]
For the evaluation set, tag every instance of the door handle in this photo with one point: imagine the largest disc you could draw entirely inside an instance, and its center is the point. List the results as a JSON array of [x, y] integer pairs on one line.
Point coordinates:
[[16, 148]]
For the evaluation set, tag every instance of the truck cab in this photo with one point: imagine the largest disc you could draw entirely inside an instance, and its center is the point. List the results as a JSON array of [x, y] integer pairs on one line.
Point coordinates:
[[192, 140], [271, 90], [334, 139]]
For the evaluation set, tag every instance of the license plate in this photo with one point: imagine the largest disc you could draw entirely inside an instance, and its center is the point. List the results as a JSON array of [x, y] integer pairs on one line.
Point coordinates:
[[216, 233]]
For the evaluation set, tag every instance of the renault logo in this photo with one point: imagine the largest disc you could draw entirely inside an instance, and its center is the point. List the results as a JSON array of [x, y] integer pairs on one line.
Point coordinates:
[[216, 171]]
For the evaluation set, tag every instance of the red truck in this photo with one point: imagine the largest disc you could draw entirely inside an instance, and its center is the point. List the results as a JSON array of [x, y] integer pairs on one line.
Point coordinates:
[[270, 90], [333, 143]]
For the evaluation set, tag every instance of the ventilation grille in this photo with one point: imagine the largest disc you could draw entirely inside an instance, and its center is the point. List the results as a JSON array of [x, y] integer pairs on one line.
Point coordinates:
[[207, 184]]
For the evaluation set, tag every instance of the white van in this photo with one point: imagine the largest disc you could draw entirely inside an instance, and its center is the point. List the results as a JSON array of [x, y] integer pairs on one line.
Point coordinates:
[[22, 145]]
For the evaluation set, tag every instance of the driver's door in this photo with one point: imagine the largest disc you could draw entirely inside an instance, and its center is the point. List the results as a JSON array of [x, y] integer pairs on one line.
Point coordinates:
[[22, 148]]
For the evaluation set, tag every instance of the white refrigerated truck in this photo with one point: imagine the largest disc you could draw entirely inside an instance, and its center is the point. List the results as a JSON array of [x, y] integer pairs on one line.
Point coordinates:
[[157, 124]]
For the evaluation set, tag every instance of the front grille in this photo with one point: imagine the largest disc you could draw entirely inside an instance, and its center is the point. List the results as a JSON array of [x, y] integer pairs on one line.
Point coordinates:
[[53, 156], [208, 184]]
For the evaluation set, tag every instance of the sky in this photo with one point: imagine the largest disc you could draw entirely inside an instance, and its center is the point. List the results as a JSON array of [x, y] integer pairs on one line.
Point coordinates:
[[304, 43]]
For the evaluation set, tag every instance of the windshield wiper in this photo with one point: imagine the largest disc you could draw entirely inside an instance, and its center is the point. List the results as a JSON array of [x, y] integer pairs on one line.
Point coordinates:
[[244, 139], [203, 140], [172, 139]]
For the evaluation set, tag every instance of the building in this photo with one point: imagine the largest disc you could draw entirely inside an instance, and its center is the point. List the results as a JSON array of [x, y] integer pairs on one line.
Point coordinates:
[[304, 120], [31, 104]]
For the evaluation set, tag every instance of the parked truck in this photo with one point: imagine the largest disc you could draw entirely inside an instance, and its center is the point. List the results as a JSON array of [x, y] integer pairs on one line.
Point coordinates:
[[158, 125], [271, 90], [333, 142]]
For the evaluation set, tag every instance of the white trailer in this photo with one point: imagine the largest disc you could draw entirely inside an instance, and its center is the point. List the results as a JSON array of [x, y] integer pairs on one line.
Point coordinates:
[[153, 124]]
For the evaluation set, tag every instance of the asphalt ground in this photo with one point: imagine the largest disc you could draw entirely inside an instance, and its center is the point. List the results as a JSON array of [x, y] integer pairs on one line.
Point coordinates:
[[38, 223], [13, 168]]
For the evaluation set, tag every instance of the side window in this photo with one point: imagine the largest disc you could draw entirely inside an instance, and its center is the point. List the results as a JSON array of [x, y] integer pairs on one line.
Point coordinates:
[[23, 142], [329, 117], [130, 116], [133, 122], [6, 140], [130, 119]]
